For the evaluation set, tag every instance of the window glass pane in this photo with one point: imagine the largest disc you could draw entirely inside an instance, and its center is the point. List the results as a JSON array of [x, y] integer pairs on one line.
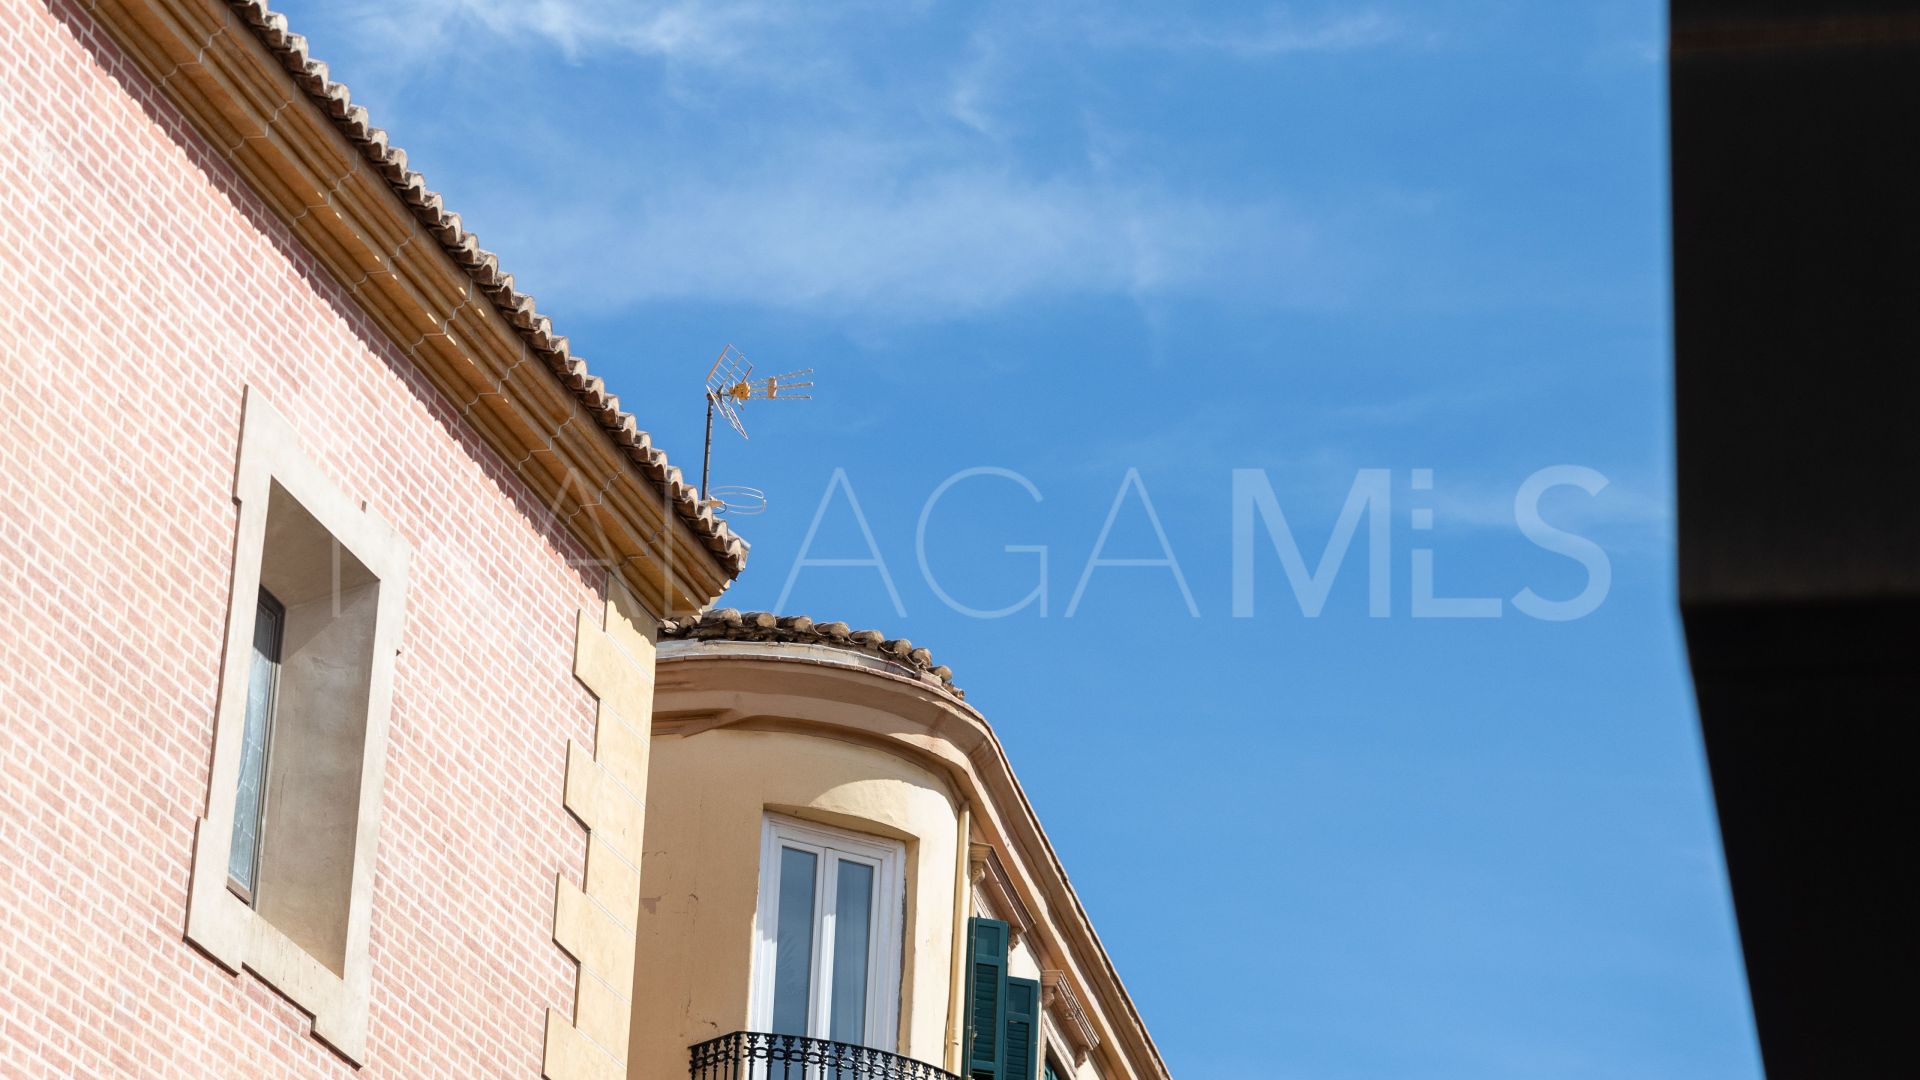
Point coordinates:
[[248, 798], [793, 952], [852, 943]]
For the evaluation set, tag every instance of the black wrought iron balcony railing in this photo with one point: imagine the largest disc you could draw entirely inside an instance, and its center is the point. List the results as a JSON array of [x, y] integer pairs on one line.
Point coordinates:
[[753, 1055]]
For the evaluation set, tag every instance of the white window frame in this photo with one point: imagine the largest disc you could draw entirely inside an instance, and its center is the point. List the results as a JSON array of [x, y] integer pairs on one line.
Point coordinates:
[[224, 926], [884, 960]]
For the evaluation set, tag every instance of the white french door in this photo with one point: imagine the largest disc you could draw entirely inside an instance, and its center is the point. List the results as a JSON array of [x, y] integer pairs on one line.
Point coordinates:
[[827, 934]]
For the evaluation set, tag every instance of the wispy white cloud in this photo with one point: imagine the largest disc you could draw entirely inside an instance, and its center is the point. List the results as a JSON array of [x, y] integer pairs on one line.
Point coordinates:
[[894, 191], [681, 30], [722, 30], [706, 32], [1278, 31], [975, 84], [1417, 407], [1632, 514], [874, 229], [699, 51], [1272, 33]]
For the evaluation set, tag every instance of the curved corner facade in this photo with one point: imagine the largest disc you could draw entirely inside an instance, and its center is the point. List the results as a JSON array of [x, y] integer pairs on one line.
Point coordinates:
[[788, 781]]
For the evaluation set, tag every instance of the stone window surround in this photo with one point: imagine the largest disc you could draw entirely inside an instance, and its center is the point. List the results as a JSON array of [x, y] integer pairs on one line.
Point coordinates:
[[219, 922]]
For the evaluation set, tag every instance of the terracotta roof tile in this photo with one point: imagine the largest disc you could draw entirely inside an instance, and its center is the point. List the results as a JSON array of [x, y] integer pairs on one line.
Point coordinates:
[[483, 267], [729, 624]]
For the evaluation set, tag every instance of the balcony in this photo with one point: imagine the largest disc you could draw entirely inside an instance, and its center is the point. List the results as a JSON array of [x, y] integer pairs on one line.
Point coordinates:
[[753, 1055]]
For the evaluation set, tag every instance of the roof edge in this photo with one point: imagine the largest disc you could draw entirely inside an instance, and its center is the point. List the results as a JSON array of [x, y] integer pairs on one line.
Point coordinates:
[[729, 624], [233, 67]]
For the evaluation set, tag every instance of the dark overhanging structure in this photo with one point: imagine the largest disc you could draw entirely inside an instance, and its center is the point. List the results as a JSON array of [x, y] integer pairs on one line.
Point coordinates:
[[1796, 239]]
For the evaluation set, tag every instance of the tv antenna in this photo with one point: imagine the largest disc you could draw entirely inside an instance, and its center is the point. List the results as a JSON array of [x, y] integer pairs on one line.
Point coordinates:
[[730, 384]]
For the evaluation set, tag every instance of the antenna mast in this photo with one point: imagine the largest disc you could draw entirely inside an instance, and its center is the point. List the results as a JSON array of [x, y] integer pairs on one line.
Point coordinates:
[[730, 384]]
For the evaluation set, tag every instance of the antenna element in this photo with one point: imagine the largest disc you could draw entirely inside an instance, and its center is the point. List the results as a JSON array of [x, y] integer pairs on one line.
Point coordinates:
[[730, 384]]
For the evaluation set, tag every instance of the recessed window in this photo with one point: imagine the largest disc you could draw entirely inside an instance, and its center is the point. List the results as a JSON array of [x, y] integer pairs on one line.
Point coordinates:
[[828, 934], [283, 864], [297, 801]]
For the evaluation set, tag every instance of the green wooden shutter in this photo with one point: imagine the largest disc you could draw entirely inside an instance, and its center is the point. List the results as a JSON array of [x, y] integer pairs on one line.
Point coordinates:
[[1020, 1052], [1050, 1074], [986, 999]]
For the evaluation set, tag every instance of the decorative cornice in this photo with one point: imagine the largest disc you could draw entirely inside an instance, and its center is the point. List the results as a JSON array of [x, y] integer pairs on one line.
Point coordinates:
[[294, 136], [1057, 996], [728, 624], [990, 878]]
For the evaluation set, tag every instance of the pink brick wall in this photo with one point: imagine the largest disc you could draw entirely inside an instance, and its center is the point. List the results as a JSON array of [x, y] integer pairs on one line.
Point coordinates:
[[141, 286]]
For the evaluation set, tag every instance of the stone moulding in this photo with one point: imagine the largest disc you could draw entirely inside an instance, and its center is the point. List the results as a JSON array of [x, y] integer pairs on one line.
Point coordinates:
[[222, 925], [272, 113], [991, 880], [1057, 997], [606, 790]]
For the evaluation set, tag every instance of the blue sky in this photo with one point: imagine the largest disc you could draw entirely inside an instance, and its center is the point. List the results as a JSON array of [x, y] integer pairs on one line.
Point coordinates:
[[1073, 240]]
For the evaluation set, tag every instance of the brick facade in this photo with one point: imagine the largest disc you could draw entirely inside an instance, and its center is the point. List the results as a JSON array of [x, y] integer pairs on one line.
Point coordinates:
[[143, 286]]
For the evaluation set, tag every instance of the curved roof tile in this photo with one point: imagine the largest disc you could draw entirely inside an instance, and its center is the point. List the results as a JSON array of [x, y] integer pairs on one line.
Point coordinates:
[[729, 624]]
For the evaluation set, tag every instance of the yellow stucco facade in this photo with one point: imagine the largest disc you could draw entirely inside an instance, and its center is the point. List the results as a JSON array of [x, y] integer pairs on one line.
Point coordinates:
[[699, 878], [747, 731]]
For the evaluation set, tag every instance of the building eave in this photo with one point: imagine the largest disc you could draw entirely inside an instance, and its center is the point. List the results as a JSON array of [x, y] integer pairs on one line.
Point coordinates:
[[275, 116], [727, 624]]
